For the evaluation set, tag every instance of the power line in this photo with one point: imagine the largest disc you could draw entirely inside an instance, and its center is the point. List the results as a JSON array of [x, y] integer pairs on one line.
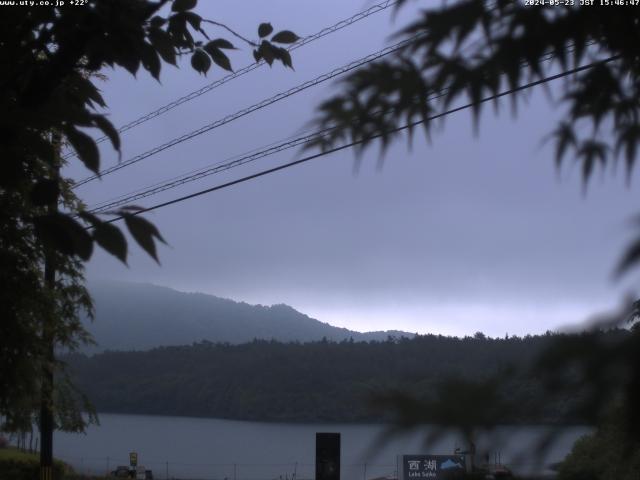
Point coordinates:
[[264, 103], [346, 68], [366, 139], [246, 69], [253, 108], [236, 161], [219, 167], [193, 175], [197, 175]]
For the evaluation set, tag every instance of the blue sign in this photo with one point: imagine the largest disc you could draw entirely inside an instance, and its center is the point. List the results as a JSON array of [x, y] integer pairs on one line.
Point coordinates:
[[432, 467]]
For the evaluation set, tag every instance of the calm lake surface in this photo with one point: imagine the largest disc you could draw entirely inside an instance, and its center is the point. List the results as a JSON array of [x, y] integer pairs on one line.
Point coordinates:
[[203, 448]]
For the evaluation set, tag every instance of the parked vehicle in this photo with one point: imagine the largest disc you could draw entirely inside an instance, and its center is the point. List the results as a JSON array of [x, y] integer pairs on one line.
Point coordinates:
[[121, 471], [142, 473], [139, 473]]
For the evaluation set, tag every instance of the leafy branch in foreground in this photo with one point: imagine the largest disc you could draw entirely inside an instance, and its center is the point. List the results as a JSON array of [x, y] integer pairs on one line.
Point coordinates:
[[471, 50], [474, 49], [48, 97], [49, 88]]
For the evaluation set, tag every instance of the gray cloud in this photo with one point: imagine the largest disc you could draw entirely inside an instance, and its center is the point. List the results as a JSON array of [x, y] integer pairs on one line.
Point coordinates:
[[468, 233]]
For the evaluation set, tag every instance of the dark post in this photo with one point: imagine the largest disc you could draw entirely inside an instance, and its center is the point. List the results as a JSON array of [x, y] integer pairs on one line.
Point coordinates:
[[46, 394], [327, 456], [46, 401]]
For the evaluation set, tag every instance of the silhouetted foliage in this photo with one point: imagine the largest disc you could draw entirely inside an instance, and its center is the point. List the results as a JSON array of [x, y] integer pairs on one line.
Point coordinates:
[[471, 53], [50, 56], [605, 454]]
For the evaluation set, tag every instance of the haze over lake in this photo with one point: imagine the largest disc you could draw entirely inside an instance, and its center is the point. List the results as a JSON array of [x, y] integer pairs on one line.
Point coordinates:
[[199, 448]]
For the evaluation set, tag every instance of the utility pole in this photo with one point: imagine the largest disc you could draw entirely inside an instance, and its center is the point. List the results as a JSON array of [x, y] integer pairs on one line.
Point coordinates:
[[46, 388]]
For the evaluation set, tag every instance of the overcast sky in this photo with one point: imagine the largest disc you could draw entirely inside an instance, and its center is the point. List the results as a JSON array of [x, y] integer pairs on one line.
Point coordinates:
[[468, 233]]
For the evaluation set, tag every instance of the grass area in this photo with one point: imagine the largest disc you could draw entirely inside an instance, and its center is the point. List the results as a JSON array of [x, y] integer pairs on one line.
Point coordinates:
[[12, 453]]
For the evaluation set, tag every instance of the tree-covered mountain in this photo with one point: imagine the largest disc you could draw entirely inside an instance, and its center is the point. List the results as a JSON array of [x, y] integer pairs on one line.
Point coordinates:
[[132, 316], [316, 381]]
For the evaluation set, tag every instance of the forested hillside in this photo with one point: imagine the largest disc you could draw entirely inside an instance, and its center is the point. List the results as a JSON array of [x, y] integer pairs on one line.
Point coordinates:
[[318, 381]]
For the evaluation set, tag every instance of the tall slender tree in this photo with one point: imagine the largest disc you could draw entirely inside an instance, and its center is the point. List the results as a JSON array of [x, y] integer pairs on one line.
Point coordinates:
[[48, 56]]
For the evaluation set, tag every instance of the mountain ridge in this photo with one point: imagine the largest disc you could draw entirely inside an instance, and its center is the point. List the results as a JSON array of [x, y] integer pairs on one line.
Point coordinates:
[[141, 316]]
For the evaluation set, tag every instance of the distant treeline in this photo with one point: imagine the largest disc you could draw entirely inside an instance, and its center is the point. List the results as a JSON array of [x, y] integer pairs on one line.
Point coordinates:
[[316, 381]]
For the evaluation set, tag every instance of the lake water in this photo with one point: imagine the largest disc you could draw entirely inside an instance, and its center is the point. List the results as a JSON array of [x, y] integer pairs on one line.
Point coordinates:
[[202, 448]]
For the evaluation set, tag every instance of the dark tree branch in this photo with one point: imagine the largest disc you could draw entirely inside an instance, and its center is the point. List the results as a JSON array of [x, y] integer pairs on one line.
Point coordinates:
[[232, 32]]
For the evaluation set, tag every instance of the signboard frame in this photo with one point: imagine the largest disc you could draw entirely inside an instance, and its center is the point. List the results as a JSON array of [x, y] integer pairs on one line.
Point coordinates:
[[430, 467]]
